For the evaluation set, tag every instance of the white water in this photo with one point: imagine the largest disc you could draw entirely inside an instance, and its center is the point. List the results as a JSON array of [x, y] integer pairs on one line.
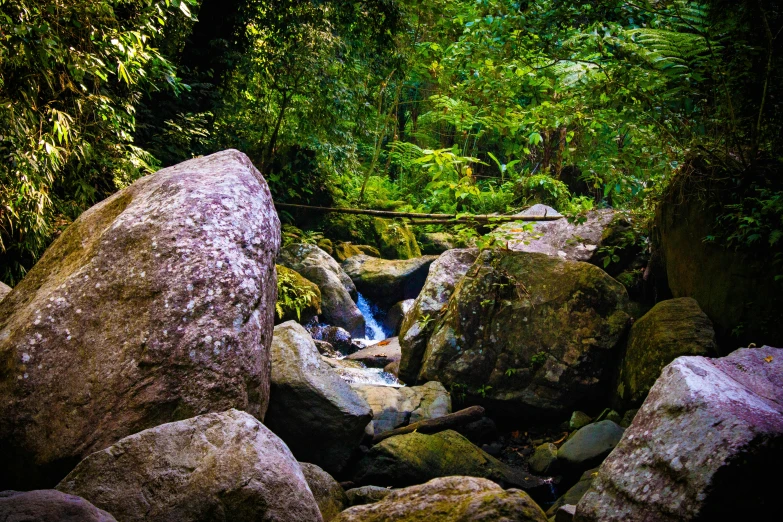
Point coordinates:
[[374, 330]]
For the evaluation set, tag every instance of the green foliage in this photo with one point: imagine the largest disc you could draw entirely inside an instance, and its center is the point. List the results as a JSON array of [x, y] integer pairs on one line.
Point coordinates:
[[292, 296]]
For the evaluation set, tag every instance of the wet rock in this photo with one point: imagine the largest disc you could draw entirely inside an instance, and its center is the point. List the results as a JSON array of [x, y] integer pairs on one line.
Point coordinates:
[[298, 286], [366, 495], [544, 459], [575, 493], [311, 408], [414, 458], [395, 407], [417, 325], [326, 245], [338, 293], [590, 445], [4, 290], [379, 354], [671, 329], [579, 419], [558, 238], [48, 505], [698, 447], [219, 466], [326, 349], [386, 282], [450, 498], [393, 320], [395, 240], [154, 305], [528, 332], [328, 493], [343, 251], [393, 368], [339, 338]]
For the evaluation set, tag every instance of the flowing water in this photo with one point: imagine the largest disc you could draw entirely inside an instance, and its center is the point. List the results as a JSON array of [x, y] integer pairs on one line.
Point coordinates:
[[374, 330]]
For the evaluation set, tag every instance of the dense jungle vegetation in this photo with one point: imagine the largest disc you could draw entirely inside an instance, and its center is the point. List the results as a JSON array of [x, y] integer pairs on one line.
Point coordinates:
[[456, 106]]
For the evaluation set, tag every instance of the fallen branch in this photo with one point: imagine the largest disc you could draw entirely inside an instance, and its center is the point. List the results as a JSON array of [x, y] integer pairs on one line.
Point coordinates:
[[447, 422], [444, 219]]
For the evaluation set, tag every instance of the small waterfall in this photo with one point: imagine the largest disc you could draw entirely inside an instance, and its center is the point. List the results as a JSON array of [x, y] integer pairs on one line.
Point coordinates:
[[373, 331]]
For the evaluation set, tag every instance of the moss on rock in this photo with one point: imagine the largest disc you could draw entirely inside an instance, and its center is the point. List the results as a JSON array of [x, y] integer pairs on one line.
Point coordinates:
[[298, 298]]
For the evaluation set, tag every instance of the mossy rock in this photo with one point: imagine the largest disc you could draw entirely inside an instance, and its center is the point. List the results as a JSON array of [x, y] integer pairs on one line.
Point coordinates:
[[326, 245], [673, 328], [529, 331], [345, 250], [395, 239], [298, 298]]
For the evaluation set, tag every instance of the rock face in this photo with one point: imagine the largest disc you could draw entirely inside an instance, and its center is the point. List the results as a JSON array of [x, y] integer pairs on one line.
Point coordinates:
[[4, 290], [590, 445], [558, 238], [708, 430], [395, 240], [393, 320], [528, 331], [449, 499], [155, 305], [735, 289], [379, 355], [285, 309], [413, 458], [395, 407], [671, 329], [215, 467], [328, 493], [338, 292], [386, 282], [47, 505], [311, 408], [445, 272]]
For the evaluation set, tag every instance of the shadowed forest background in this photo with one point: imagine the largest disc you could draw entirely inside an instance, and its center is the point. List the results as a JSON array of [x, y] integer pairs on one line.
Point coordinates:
[[448, 106]]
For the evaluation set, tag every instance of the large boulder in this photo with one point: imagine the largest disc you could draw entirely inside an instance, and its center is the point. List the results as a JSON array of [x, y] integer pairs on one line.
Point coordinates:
[[155, 305], [529, 332], [298, 299], [589, 446], [48, 505], [413, 458], [735, 287], [395, 407], [4, 290], [448, 499], [328, 493], [707, 433], [215, 467], [394, 239], [311, 408], [559, 238], [672, 328], [344, 250], [445, 272], [338, 293], [386, 282], [394, 317]]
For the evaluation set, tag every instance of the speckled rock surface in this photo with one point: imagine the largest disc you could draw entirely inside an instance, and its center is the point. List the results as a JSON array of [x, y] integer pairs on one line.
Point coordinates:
[[328, 493], [529, 332], [311, 408], [707, 433], [385, 281], [338, 293], [219, 467], [672, 328], [4, 290], [449, 499], [413, 458], [395, 407], [155, 305], [417, 325], [48, 505]]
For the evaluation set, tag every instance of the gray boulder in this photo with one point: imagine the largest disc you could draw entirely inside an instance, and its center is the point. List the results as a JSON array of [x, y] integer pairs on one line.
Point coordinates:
[[672, 328], [379, 355], [338, 293], [215, 467], [395, 407], [529, 333], [311, 408], [413, 458], [366, 495], [417, 325], [590, 445], [698, 447], [385, 281], [449, 499], [48, 505], [393, 320], [328, 493], [4, 290], [154, 305]]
